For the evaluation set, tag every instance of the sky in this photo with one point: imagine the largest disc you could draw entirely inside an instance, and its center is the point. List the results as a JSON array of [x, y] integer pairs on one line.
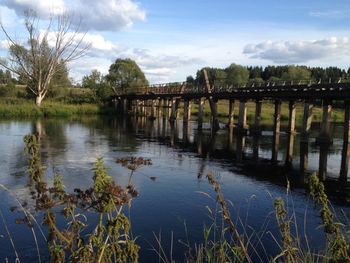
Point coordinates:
[[171, 40]]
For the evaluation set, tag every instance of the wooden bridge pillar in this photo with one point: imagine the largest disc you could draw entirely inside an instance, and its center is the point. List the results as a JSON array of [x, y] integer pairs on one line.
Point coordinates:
[[346, 144], [187, 111], [290, 149], [165, 107], [159, 106], [135, 107], [142, 108], [304, 157], [231, 113], [125, 106], [276, 130], [322, 166], [215, 126], [201, 103], [307, 121], [230, 139], [240, 144], [256, 129], [153, 106], [292, 114], [173, 114], [277, 117], [242, 118], [325, 136]]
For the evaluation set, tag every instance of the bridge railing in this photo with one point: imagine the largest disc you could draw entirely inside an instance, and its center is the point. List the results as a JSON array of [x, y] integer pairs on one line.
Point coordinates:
[[268, 86]]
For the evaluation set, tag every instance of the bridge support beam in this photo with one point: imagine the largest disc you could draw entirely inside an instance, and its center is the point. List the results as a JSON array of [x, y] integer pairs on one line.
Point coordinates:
[[165, 107], [290, 149], [201, 103], [325, 136], [256, 128], [242, 117], [187, 111], [346, 144], [322, 166], [276, 130], [231, 113], [307, 121], [153, 107], [159, 107], [173, 110], [136, 107], [125, 106], [292, 114], [304, 157], [214, 112]]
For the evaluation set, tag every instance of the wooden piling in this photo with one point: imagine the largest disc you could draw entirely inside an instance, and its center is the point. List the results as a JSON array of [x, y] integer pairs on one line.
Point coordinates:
[[242, 117], [325, 136], [165, 107], [231, 113], [172, 110], [201, 103], [346, 144], [290, 148], [322, 165], [307, 121], [277, 117], [292, 115], [257, 118], [187, 111]]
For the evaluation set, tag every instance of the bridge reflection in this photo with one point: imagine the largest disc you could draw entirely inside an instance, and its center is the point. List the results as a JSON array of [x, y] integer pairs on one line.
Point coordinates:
[[270, 156]]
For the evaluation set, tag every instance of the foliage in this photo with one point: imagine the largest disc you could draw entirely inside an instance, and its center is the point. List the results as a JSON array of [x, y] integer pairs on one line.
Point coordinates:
[[295, 73], [37, 62], [97, 83], [125, 76], [237, 75], [109, 240], [338, 244]]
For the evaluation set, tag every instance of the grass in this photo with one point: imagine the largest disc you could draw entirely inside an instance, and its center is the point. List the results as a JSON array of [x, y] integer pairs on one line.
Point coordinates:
[[22, 108], [267, 112]]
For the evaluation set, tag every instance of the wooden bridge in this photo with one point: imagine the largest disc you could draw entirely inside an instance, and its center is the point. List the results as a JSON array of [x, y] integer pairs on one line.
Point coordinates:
[[165, 99]]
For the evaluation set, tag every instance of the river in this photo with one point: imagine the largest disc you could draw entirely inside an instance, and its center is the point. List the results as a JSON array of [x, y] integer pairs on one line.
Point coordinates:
[[174, 192]]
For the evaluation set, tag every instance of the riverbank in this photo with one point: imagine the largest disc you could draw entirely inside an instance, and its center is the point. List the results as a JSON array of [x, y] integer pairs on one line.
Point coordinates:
[[10, 108]]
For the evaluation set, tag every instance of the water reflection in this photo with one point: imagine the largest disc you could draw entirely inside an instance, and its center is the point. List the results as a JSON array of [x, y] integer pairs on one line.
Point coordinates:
[[182, 156]]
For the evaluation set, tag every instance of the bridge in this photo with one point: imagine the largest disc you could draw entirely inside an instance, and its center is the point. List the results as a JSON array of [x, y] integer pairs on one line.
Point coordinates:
[[165, 100]]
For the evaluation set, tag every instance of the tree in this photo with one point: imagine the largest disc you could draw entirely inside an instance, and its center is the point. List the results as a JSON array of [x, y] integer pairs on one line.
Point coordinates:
[[92, 80], [98, 84], [38, 61], [125, 76], [296, 73], [237, 75]]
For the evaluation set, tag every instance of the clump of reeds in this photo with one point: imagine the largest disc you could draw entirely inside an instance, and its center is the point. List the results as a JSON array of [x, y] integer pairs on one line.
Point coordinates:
[[109, 240], [337, 243]]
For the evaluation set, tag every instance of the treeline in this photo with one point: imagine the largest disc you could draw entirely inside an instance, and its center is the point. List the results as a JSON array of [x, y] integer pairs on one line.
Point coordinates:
[[238, 75]]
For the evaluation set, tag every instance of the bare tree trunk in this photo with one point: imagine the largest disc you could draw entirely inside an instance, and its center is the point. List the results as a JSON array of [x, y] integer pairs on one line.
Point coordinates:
[[38, 99]]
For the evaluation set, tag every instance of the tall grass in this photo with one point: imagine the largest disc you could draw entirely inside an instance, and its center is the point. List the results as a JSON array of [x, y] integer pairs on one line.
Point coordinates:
[[24, 109]]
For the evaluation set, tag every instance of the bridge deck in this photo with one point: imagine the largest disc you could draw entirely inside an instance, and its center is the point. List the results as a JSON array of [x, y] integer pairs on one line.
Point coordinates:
[[332, 91]]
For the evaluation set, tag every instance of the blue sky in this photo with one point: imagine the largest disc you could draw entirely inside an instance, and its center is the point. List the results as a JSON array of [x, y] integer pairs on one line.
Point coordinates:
[[172, 39]]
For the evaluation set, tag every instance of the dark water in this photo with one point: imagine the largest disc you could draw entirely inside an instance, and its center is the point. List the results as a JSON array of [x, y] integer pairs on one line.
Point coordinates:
[[174, 205]]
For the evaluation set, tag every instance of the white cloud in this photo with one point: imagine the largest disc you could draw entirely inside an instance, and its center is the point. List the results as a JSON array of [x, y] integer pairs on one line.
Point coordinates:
[[43, 8], [298, 51], [109, 15], [101, 15]]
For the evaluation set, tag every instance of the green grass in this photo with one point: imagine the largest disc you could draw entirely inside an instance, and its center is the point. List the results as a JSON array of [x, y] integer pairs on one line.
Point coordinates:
[[267, 112], [10, 108]]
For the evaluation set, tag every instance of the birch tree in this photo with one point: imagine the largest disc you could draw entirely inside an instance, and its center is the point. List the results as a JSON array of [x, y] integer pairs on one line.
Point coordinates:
[[40, 57]]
